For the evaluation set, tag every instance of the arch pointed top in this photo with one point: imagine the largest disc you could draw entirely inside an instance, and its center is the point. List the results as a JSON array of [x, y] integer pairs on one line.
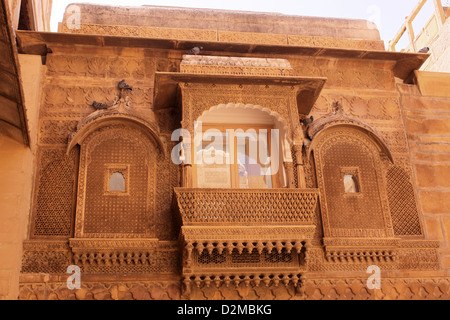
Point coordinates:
[[103, 118], [338, 118], [264, 114]]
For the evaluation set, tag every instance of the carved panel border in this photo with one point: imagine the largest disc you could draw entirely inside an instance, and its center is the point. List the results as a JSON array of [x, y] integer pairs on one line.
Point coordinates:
[[349, 288], [54, 196], [352, 136], [89, 144], [198, 98]]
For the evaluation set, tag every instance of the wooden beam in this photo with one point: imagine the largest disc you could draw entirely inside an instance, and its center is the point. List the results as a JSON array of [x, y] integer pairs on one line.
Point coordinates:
[[417, 9], [439, 12], [411, 36]]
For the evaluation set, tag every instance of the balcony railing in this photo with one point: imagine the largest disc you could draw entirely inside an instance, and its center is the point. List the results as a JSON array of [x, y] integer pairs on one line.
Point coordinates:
[[427, 34], [246, 206]]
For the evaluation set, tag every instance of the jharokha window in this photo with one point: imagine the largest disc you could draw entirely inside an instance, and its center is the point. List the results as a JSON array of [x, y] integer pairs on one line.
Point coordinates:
[[235, 156]]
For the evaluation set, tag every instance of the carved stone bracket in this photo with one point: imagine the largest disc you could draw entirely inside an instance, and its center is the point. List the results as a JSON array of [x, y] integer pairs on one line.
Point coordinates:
[[339, 118], [110, 252], [232, 236], [361, 250], [127, 255], [240, 255]]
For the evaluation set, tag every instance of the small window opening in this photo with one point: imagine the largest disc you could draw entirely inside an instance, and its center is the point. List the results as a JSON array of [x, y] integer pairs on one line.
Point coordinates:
[[117, 182], [351, 184]]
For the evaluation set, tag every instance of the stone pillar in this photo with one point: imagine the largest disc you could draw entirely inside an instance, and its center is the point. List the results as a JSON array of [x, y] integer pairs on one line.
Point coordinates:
[[297, 154], [187, 179], [289, 167], [187, 176]]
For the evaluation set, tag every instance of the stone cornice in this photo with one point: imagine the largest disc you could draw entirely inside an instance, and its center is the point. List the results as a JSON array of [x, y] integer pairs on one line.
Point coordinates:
[[403, 66]]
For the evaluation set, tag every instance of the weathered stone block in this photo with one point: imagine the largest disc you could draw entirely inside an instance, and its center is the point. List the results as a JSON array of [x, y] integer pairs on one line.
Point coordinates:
[[435, 202], [433, 227]]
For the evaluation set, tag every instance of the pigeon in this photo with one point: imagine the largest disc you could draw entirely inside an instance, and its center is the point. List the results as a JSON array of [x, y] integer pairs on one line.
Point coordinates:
[[99, 105], [123, 85], [195, 50], [336, 107], [424, 50], [307, 121]]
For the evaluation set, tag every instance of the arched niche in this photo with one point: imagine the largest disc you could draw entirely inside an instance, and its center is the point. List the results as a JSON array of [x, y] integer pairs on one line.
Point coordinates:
[[346, 153], [110, 148], [100, 119]]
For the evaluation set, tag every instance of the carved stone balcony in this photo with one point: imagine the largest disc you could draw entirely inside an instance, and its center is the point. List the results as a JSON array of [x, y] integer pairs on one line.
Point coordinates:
[[247, 207], [245, 235]]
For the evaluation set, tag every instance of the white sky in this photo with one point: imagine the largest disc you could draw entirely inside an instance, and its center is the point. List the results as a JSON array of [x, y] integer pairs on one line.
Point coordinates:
[[387, 14]]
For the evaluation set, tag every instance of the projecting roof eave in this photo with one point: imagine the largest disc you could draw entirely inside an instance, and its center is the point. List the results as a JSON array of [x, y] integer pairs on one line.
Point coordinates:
[[404, 63], [13, 121], [307, 89]]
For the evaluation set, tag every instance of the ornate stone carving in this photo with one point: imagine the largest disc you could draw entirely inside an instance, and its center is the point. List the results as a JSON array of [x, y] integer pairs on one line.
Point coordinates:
[[95, 290], [107, 146], [402, 203], [357, 74], [370, 251], [99, 67], [280, 100], [56, 131], [223, 36], [312, 289], [346, 147], [46, 256], [124, 255], [233, 244], [261, 206], [220, 247], [54, 197], [235, 66]]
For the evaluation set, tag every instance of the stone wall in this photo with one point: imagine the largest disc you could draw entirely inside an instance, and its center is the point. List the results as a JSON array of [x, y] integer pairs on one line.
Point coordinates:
[[426, 113], [227, 20], [439, 60], [412, 123], [222, 26], [16, 167], [16, 172]]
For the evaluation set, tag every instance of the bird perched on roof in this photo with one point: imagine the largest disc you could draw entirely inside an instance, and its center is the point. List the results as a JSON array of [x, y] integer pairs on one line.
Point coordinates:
[[123, 85], [196, 50], [99, 105], [336, 107], [307, 121], [424, 50]]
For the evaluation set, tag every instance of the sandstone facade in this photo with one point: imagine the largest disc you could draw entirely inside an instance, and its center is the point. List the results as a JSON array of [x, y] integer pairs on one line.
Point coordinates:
[[158, 235]]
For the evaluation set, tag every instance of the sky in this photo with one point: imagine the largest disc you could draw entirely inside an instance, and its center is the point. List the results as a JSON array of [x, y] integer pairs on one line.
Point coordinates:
[[388, 15]]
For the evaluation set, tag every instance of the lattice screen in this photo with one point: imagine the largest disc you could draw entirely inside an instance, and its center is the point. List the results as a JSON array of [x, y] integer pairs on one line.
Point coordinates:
[[246, 258], [128, 213], [55, 200], [352, 211], [404, 213], [296, 184]]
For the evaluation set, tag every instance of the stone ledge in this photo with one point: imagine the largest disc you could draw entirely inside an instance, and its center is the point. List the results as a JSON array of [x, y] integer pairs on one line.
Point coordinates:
[[223, 36], [227, 20]]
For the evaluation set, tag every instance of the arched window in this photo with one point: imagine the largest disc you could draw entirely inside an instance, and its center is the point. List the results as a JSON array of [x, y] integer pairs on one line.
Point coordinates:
[[351, 184], [349, 168], [240, 147], [117, 182], [118, 164]]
